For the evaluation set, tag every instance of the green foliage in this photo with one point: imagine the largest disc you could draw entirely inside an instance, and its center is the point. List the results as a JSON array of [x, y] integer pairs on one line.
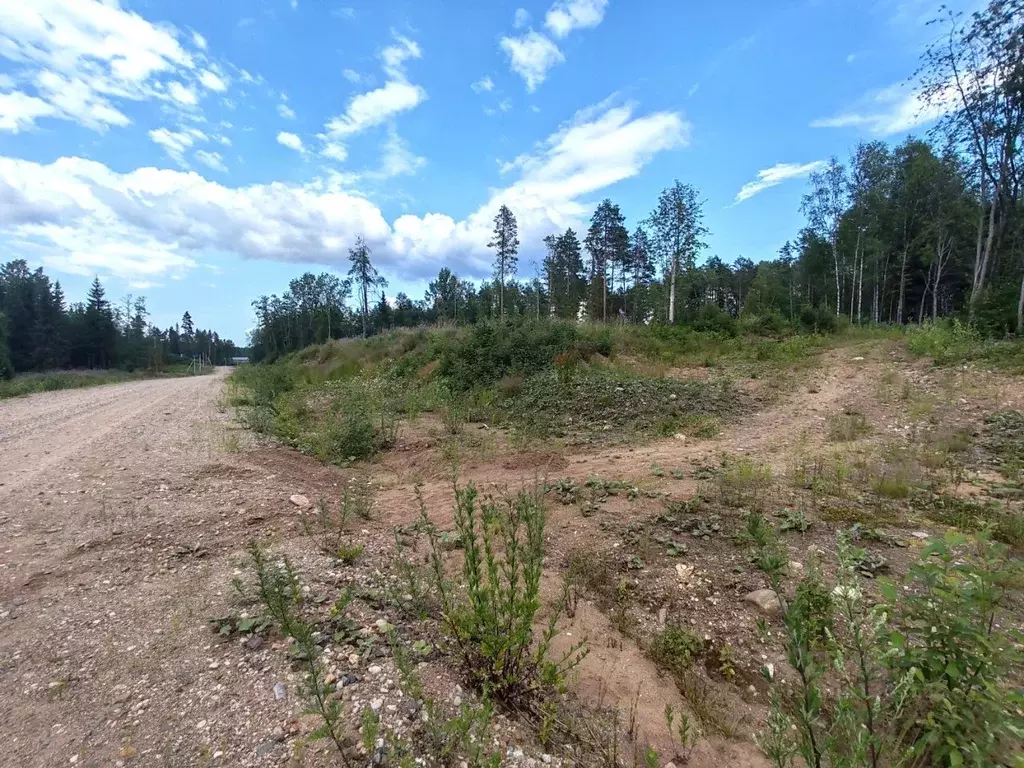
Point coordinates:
[[492, 621], [743, 482], [326, 524], [278, 590], [675, 649], [6, 368], [950, 643], [488, 352], [925, 677], [28, 383]]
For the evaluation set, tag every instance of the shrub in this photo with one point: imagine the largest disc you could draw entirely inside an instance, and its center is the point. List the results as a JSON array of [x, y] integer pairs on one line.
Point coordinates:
[[675, 649], [925, 677], [711, 318], [487, 352], [819, 320], [492, 623]]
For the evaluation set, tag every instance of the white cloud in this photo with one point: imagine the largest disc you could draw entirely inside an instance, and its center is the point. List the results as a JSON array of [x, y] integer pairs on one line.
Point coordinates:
[[175, 143], [289, 140], [211, 159], [222, 140], [182, 94], [286, 112], [531, 56], [777, 174], [352, 76], [19, 111], [82, 56], [895, 109], [393, 57], [344, 12], [213, 81], [522, 18], [376, 107], [83, 217], [483, 84], [397, 159], [199, 41], [567, 15]]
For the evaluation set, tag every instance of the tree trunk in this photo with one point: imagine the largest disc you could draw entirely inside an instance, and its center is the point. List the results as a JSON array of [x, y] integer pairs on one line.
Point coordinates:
[[501, 290], [860, 293], [672, 293], [366, 308], [1020, 309], [835, 257], [853, 287]]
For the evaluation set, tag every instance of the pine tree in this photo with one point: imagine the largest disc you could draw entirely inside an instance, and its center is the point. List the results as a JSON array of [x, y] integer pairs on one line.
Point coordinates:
[[366, 278], [607, 243], [505, 243], [101, 333]]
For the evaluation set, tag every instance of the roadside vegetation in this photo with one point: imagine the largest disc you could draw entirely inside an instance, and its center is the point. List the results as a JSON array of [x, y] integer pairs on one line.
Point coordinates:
[[28, 383]]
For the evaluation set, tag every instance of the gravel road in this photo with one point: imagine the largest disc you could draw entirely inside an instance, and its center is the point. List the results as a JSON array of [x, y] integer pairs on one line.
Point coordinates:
[[122, 513]]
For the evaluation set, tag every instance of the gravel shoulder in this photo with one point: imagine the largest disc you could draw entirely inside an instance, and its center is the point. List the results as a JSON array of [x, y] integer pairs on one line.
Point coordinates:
[[120, 515]]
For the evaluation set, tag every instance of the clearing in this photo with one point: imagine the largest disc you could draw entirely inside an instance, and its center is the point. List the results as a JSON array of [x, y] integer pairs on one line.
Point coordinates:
[[125, 513]]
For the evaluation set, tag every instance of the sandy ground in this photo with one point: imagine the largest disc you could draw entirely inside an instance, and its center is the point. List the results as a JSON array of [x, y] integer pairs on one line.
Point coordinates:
[[114, 506], [125, 510]]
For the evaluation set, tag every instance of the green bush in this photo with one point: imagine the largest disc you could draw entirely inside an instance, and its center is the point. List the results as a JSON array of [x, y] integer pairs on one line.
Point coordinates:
[[492, 620], [711, 318], [487, 352], [927, 677], [819, 320]]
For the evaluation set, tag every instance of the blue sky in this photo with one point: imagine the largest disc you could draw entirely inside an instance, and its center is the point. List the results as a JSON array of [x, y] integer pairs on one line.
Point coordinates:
[[202, 153]]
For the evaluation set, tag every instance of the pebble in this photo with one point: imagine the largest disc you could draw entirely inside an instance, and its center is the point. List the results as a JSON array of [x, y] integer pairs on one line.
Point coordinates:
[[376, 704], [280, 692], [299, 500], [374, 670]]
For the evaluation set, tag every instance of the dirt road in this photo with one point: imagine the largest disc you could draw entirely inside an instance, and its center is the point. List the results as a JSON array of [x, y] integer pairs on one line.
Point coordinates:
[[119, 508]]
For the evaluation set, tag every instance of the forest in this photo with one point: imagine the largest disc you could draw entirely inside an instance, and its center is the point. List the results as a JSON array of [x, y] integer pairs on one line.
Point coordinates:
[[921, 231], [40, 331]]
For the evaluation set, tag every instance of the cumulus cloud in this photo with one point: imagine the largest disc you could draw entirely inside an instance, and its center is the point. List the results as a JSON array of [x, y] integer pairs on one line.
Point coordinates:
[[531, 56], [892, 110], [522, 18], [352, 76], [286, 112], [778, 173], [151, 223], [83, 57], [568, 15], [289, 140]]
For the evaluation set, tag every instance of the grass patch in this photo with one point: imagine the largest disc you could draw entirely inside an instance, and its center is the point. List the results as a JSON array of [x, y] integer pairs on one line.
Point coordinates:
[[847, 427], [29, 383]]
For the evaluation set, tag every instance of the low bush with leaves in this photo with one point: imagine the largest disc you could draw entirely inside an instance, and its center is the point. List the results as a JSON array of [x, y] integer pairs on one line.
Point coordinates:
[[326, 524], [490, 614], [926, 676]]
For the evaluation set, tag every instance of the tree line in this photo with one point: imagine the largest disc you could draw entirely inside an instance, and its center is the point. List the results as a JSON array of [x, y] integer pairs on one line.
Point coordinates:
[[927, 229], [40, 331]]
